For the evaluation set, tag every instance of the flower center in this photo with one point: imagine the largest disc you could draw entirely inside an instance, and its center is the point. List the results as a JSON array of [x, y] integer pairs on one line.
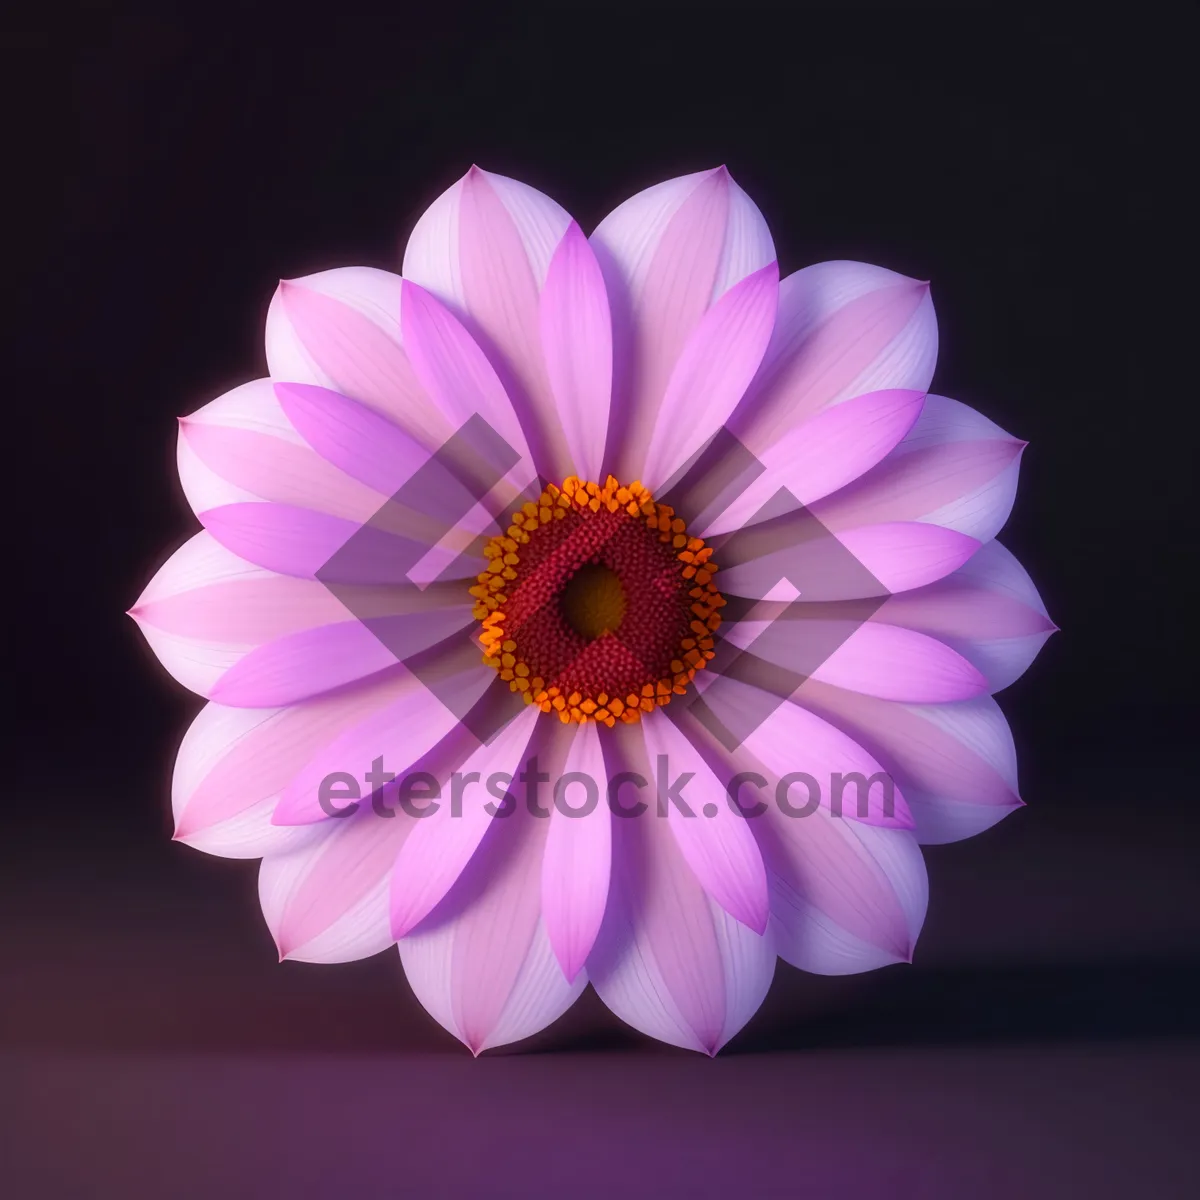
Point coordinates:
[[596, 604], [593, 602]]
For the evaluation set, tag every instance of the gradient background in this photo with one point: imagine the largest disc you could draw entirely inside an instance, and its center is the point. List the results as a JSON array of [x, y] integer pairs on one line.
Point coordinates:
[[1044, 1042]]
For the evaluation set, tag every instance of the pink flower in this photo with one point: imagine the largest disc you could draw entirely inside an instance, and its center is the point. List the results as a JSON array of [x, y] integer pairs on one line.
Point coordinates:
[[747, 544]]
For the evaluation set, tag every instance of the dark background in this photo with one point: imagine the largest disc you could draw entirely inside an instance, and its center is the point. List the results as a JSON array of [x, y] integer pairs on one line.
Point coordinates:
[[1045, 1040]]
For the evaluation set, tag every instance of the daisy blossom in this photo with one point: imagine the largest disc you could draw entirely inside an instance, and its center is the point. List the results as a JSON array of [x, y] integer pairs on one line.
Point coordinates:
[[551, 593]]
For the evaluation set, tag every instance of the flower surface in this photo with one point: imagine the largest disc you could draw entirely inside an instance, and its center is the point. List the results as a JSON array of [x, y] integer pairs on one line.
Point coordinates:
[[598, 610]]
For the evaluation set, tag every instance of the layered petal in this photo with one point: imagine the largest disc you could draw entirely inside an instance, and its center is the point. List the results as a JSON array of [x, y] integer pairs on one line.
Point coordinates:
[[576, 865], [481, 963], [395, 737], [440, 848], [234, 764], [327, 901], [988, 610], [819, 456], [340, 329], [485, 248], [669, 960], [576, 332], [886, 661], [243, 635], [955, 469], [797, 748], [955, 763], [668, 255], [846, 895], [713, 836], [872, 560], [455, 371], [843, 329]]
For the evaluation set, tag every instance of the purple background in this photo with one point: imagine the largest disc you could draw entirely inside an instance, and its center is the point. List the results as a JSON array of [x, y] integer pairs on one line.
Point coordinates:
[[1044, 1042]]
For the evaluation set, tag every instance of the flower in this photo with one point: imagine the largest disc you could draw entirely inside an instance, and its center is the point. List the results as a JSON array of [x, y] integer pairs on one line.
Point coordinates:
[[629, 506]]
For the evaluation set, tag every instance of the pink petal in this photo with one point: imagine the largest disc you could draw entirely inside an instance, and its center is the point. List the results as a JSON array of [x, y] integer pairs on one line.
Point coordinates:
[[312, 661], [340, 329], [870, 561], [717, 845], [483, 249], [898, 664], [352, 437], [667, 254], [235, 760], [179, 639], [843, 329], [266, 468], [904, 555], [786, 739], [206, 611], [669, 961], [955, 468], [713, 370], [955, 762], [456, 373], [880, 872], [443, 842], [576, 332], [988, 610], [821, 455], [309, 545], [248, 832], [482, 965], [880, 660], [577, 862], [834, 883], [327, 902], [400, 734]]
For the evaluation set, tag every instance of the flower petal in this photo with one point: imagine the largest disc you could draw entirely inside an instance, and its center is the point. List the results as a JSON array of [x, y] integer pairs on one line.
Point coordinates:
[[845, 895], [955, 762], [668, 254], [352, 437], [576, 866], [576, 332], [313, 545], [670, 961], [879, 660], [241, 446], [398, 735], [234, 764], [312, 661], [872, 560], [789, 742], [340, 329], [456, 373], [230, 630], [327, 901], [714, 368], [484, 249], [444, 841], [482, 964], [988, 610], [821, 455], [955, 468], [715, 841], [843, 329], [879, 874]]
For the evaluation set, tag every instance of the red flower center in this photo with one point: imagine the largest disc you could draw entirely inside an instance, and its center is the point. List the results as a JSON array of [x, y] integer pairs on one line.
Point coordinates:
[[596, 603]]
